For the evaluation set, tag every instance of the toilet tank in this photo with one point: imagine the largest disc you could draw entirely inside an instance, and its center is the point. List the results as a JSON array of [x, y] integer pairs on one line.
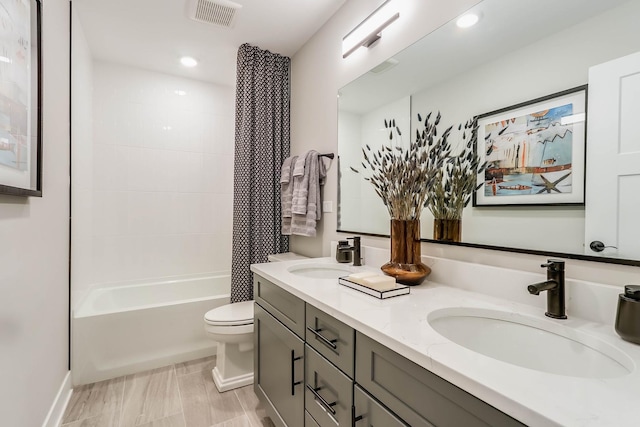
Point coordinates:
[[287, 256]]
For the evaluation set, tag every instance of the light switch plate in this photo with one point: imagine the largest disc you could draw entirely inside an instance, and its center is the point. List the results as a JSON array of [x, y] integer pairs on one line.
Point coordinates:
[[327, 206]]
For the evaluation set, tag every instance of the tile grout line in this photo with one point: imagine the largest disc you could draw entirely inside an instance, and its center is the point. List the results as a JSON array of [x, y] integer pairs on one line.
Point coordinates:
[[184, 418]]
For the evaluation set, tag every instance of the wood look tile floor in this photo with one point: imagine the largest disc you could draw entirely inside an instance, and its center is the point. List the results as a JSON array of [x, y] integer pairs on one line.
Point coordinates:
[[180, 395]]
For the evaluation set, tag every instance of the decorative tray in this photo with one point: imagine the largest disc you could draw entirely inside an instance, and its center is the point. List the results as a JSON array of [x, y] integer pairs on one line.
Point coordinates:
[[397, 291]]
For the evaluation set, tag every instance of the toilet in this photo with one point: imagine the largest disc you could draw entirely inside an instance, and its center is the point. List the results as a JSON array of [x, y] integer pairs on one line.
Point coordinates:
[[231, 326]]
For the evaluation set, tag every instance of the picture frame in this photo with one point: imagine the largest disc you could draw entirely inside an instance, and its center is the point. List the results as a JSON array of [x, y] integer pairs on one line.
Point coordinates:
[[21, 98], [535, 152]]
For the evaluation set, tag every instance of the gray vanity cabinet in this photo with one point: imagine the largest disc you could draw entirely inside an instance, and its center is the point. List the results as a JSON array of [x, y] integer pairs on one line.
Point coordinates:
[[312, 370], [419, 397], [328, 394], [279, 352], [369, 413], [334, 340]]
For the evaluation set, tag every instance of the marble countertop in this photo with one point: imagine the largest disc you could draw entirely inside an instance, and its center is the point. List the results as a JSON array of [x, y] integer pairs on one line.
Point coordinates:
[[533, 397]]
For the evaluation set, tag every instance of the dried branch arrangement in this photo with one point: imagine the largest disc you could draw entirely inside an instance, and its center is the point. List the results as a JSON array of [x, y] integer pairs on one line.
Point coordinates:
[[456, 180], [403, 177]]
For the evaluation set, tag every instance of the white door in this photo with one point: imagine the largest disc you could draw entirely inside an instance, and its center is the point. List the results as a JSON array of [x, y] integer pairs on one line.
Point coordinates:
[[612, 213]]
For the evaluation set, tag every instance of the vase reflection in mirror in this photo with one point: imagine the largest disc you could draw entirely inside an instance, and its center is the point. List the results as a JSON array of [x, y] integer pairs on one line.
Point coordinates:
[[405, 263], [447, 230]]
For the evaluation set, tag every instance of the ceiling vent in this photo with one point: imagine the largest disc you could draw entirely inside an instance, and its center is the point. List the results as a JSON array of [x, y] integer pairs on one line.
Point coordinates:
[[217, 12]]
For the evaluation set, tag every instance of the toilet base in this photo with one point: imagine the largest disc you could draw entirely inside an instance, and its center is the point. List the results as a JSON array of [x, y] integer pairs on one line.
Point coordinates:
[[226, 384], [234, 366]]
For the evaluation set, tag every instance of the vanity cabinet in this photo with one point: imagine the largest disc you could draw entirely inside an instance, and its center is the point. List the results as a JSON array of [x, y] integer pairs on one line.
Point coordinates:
[[279, 352], [313, 370], [419, 397], [368, 412], [328, 394]]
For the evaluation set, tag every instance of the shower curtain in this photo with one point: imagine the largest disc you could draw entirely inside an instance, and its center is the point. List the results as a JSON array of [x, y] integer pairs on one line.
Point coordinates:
[[262, 143]]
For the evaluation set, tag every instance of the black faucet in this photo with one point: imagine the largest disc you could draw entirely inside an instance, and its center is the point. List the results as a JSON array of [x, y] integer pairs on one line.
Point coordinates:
[[357, 255], [554, 285]]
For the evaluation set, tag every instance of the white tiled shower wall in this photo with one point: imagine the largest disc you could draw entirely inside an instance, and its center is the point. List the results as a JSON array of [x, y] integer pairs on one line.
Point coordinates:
[[162, 175]]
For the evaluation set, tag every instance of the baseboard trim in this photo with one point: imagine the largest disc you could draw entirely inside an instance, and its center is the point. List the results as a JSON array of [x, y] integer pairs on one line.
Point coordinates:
[[54, 417]]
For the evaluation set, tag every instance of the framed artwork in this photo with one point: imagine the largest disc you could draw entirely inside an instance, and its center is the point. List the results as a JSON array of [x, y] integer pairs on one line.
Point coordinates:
[[20, 98], [535, 152]]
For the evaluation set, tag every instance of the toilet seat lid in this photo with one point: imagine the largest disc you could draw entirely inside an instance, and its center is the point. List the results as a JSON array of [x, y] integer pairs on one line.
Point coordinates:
[[240, 313]]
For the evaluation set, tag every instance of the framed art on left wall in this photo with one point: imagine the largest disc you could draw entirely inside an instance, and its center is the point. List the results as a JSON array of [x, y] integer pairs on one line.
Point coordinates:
[[20, 98]]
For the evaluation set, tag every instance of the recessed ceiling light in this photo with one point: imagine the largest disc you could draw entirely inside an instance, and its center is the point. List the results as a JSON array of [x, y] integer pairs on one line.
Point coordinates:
[[5, 59], [468, 20], [188, 61], [180, 92]]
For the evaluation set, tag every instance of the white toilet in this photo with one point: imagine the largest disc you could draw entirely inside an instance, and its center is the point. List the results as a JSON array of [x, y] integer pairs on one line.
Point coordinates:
[[231, 326]]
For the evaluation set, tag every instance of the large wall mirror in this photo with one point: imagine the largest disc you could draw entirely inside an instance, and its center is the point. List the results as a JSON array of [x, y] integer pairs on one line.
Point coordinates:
[[517, 52]]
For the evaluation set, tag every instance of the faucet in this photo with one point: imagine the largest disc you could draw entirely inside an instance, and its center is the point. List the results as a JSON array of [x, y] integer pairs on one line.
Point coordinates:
[[355, 248], [554, 285]]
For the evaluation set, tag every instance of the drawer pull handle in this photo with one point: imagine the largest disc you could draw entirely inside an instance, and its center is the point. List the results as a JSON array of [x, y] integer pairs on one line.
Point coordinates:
[[328, 406], [324, 340], [294, 383]]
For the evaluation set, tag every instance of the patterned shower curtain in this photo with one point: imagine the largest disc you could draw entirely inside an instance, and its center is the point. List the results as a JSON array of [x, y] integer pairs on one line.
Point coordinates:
[[262, 143]]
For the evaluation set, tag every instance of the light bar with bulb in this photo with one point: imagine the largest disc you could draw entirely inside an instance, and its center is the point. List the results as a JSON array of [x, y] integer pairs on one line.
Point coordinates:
[[369, 30]]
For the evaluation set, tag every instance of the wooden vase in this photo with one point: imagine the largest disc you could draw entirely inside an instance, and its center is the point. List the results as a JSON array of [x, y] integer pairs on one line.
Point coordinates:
[[405, 264], [448, 230]]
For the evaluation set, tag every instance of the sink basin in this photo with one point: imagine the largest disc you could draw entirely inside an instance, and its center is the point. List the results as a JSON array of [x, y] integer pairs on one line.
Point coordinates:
[[320, 271], [531, 343]]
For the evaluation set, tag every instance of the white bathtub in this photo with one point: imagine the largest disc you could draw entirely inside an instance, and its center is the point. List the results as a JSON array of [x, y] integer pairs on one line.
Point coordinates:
[[127, 329]]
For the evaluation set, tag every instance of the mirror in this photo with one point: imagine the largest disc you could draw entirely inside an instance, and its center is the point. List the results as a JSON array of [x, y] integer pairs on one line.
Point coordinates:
[[517, 52]]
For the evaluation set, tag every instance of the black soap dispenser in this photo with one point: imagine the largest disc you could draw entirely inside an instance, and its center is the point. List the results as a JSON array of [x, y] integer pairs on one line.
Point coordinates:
[[628, 315], [343, 253]]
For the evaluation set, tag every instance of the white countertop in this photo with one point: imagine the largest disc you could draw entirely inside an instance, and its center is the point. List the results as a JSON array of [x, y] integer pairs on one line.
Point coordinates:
[[532, 397]]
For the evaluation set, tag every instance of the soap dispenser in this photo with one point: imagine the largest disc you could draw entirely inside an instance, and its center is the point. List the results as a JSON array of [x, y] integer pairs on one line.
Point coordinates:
[[628, 315], [343, 252]]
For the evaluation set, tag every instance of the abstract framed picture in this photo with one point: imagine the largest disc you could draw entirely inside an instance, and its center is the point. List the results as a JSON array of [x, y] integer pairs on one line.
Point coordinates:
[[20, 98], [535, 152]]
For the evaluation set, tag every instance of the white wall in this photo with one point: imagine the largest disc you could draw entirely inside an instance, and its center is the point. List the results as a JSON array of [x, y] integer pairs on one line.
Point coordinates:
[[81, 163], [318, 71], [162, 176], [34, 252]]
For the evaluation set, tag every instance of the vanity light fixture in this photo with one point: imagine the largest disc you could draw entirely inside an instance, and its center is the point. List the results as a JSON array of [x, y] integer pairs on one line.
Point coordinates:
[[467, 20], [188, 61], [369, 31]]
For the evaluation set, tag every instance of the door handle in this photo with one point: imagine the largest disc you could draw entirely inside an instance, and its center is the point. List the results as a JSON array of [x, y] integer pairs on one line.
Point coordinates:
[[328, 406], [324, 340], [598, 246], [294, 383]]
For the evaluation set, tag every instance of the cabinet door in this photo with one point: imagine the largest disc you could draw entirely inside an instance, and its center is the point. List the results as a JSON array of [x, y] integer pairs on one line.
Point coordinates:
[[328, 392], [369, 413], [279, 370]]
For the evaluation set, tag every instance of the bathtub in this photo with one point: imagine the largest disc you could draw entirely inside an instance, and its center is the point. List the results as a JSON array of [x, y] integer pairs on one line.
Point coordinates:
[[127, 329]]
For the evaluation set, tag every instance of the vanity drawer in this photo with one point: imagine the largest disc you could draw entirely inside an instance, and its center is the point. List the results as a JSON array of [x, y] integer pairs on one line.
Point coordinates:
[[328, 394], [331, 338], [282, 305], [369, 413], [418, 396]]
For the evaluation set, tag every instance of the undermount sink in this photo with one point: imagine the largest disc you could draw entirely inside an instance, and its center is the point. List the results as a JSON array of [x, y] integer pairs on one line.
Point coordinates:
[[531, 343], [320, 271]]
